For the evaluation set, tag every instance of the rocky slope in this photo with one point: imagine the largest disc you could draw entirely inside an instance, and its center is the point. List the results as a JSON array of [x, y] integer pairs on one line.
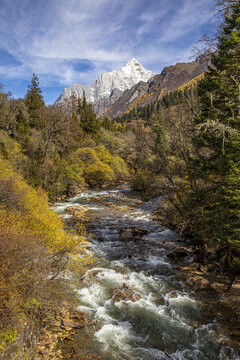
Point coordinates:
[[108, 87], [143, 93]]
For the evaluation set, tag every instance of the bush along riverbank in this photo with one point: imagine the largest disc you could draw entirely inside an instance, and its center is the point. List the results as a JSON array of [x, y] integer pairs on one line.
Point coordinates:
[[187, 151], [46, 153], [35, 253]]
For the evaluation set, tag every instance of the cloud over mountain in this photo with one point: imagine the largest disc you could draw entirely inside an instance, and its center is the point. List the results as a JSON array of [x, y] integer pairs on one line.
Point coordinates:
[[75, 41]]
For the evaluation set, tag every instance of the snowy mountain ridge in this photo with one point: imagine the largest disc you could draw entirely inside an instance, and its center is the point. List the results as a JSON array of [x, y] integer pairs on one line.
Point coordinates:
[[103, 87]]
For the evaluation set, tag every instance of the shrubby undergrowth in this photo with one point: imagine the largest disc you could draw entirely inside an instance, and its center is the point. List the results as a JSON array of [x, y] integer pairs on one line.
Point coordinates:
[[45, 152], [44, 143], [190, 148], [34, 250]]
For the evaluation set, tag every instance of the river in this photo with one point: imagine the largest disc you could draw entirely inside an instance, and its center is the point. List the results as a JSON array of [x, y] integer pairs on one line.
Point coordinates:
[[139, 308]]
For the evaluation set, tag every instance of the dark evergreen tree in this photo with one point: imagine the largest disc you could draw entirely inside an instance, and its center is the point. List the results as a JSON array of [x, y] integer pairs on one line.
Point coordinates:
[[88, 119], [160, 140], [34, 100], [107, 124], [7, 118], [217, 171], [20, 112]]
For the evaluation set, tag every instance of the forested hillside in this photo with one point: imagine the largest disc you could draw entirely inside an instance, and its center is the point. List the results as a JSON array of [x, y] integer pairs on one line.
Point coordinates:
[[171, 78], [189, 143], [60, 149], [184, 145], [45, 153]]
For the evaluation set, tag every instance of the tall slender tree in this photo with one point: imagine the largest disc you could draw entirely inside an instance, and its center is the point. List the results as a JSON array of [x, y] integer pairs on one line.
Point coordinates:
[[88, 119], [34, 100], [217, 198]]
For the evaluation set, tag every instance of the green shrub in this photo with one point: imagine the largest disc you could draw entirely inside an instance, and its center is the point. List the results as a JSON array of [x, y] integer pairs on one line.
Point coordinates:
[[142, 180]]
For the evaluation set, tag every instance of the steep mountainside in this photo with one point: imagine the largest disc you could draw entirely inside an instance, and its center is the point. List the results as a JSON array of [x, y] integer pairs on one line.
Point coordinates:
[[108, 87], [143, 93]]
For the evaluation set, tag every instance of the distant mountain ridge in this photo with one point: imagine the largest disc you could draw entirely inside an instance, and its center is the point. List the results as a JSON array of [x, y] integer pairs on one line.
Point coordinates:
[[144, 93], [109, 86]]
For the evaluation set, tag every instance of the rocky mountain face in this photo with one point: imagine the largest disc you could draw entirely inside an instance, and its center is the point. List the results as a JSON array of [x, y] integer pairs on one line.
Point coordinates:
[[108, 87], [103, 103], [144, 93]]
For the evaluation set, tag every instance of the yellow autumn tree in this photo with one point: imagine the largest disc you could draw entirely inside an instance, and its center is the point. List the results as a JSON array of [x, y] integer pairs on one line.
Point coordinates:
[[34, 251]]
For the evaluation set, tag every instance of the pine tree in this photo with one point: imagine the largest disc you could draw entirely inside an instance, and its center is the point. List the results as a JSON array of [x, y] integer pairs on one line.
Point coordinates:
[[88, 119], [107, 124], [160, 139], [34, 100], [22, 117], [217, 171]]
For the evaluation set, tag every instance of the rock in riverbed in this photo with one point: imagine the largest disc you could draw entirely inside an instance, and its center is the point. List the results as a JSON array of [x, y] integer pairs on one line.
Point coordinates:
[[235, 288], [178, 254], [77, 211], [61, 328], [132, 233], [125, 293]]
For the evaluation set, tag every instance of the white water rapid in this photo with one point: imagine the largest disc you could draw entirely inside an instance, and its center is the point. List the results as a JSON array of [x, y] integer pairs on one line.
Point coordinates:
[[138, 307]]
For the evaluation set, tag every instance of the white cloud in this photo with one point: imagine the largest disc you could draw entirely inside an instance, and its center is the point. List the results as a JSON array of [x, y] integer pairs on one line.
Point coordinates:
[[193, 14], [106, 32]]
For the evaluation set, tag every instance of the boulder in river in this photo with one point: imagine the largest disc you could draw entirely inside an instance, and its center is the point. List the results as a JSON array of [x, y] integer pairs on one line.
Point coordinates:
[[76, 208], [235, 288], [201, 283], [178, 254], [77, 211], [132, 233], [125, 293]]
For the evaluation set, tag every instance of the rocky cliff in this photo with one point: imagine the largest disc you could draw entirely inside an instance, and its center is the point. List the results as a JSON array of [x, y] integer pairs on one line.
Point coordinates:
[[108, 87]]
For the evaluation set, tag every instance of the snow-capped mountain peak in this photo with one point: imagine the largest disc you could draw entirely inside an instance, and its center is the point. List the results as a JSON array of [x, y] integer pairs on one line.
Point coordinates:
[[134, 69], [102, 88]]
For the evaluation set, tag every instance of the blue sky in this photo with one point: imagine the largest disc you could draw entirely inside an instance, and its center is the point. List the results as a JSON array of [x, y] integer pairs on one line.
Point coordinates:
[[74, 41]]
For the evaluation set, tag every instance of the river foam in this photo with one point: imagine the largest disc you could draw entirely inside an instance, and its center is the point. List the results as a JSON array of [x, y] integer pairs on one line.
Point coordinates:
[[139, 310]]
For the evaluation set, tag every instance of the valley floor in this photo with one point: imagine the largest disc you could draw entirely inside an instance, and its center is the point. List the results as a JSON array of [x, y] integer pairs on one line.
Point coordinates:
[[146, 297]]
